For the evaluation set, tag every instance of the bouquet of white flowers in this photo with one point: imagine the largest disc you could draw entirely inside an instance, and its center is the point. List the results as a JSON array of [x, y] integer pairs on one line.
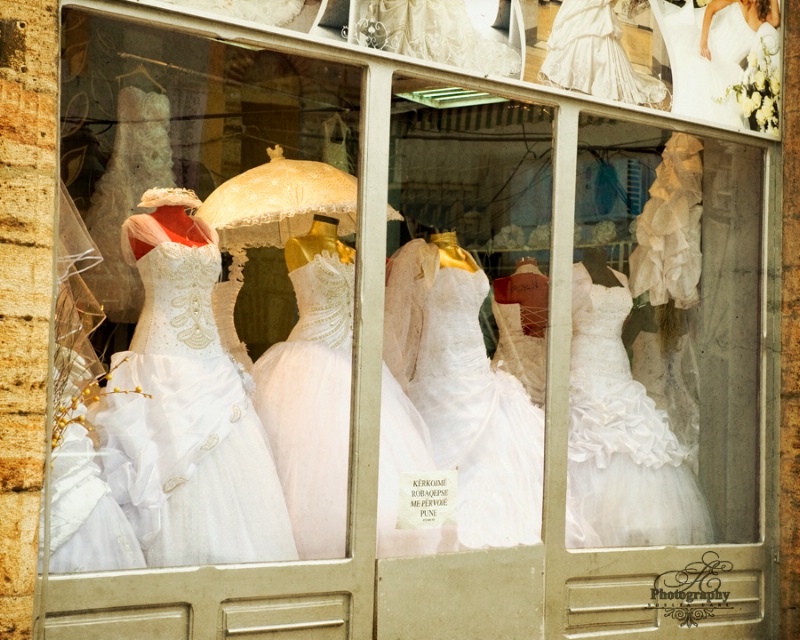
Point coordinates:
[[759, 92]]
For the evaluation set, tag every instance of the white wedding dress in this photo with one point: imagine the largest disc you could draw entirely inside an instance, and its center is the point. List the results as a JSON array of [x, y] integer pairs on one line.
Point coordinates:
[[627, 469], [88, 531], [481, 421], [698, 85], [189, 465], [585, 53], [303, 391], [442, 31]]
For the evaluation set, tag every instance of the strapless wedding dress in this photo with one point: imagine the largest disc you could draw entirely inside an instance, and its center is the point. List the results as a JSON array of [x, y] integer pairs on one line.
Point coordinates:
[[303, 391], [190, 465], [626, 467], [585, 53]]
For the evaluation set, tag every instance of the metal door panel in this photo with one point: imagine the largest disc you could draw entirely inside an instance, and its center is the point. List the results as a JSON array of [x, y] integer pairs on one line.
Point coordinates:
[[158, 623], [323, 617], [497, 593]]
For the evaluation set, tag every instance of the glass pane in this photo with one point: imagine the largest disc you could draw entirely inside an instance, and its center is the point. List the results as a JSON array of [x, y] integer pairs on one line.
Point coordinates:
[[664, 371], [467, 305], [190, 418]]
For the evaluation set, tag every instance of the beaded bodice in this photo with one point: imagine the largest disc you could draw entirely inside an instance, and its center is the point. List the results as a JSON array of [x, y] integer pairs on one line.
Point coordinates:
[[177, 317], [325, 298], [452, 341]]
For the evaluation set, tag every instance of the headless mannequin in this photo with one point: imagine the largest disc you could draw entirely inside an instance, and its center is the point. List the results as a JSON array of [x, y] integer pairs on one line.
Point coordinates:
[[179, 226], [595, 262], [529, 288], [452, 255], [321, 237]]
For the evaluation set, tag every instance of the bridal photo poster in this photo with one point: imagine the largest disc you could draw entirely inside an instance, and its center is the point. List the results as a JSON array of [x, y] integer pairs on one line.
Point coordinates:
[[718, 64]]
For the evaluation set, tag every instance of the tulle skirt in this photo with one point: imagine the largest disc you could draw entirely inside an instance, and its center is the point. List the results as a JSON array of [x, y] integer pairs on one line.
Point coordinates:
[[190, 465], [484, 425], [303, 392], [104, 541], [627, 471]]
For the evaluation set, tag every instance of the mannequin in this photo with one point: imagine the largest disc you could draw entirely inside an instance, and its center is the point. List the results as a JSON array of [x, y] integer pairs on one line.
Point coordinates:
[[451, 254], [481, 421], [520, 307], [321, 237], [529, 288], [179, 227], [595, 259]]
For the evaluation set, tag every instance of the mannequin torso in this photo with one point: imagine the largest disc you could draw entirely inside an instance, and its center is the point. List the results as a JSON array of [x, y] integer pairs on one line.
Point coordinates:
[[451, 254], [178, 226], [322, 237], [594, 260]]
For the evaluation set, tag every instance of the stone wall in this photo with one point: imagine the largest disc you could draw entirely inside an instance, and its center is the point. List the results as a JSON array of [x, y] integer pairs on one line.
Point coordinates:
[[790, 357], [28, 137]]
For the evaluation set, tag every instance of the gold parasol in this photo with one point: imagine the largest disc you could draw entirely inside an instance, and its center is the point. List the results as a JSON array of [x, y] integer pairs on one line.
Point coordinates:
[[273, 202]]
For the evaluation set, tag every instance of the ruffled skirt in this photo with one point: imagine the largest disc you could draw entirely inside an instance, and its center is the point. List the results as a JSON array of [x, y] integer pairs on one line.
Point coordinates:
[[190, 465], [585, 53], [627, 470], [303, 392]]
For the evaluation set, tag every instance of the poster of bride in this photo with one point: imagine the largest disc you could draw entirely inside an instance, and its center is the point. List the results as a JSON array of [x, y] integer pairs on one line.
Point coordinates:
[[719, 62]]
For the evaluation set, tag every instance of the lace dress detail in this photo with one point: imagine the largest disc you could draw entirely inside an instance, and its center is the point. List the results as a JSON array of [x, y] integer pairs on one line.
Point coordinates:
[[303, 391], [190, 465], [619, 439], [584, 52], [325, 300], [177, 318], [482, 422], [142, 157]]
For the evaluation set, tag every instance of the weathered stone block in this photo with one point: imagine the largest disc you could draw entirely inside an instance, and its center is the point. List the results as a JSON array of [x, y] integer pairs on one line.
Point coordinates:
[[23, 365], [27, 202], [22, 452], [26, 289], [16, 617], [19, 522]]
